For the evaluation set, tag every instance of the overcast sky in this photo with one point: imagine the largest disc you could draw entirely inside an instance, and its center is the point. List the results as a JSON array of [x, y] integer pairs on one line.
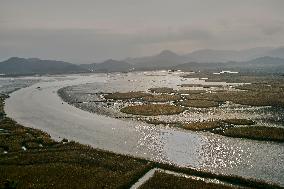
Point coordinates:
[[85, 31]]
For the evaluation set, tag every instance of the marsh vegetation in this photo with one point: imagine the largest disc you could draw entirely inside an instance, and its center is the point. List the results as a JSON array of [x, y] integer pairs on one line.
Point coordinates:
[[162, 90], [161, 98], [127, 95], [153, 109], [164, 180], [31, 159], [254, 132], [199, 103], [188, 98]]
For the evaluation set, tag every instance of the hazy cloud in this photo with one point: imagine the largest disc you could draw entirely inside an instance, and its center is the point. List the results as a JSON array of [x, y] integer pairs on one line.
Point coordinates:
[[93, 30], [273, 30]]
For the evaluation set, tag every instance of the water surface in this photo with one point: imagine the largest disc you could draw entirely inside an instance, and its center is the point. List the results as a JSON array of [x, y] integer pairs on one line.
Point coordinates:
[[43, 109]]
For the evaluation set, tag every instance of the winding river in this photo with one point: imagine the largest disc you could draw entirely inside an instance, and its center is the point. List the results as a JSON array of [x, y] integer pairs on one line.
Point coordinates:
[[43, 109]]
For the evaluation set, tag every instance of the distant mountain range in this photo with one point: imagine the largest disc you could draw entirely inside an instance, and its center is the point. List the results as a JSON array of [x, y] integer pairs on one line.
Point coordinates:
[[164, 59], [15, 65], [208, 55], [262, 64], [258, 65], [263, 59], [109, 66], [169, 58]]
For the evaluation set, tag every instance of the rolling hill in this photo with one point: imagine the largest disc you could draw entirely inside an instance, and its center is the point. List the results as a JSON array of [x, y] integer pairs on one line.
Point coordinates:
[[263, 64], [17, 65]]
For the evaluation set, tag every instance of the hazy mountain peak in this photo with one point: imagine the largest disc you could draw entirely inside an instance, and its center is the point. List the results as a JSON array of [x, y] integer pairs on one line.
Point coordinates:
[[33, 59], [110, 61], [16, 65], [14, 59], [22, 60], [268, 60], [167, 53]]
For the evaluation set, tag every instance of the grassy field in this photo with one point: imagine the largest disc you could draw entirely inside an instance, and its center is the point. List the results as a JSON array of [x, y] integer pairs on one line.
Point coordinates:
[[69, 166]]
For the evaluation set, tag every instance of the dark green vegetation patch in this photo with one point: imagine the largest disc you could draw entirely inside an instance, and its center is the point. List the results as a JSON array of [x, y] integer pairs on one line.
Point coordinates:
[[254, 132], [153, 109], [69, 166], [239, 121], [161, 98], [251, 98], [200, 85], [162, 90], [199, 103], [127, 95], [200, 126], [190, 91]]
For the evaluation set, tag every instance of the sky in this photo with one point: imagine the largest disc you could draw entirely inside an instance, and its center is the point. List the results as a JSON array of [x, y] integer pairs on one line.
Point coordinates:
[[86, 31]]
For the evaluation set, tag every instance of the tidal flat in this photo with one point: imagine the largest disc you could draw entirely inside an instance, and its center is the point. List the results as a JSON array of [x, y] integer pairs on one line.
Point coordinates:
[[30, 158], [233, 100], [198, 152]]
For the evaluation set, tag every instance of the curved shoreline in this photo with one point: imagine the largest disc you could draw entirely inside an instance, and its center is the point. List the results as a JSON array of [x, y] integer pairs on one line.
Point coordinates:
[[44, 110]]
